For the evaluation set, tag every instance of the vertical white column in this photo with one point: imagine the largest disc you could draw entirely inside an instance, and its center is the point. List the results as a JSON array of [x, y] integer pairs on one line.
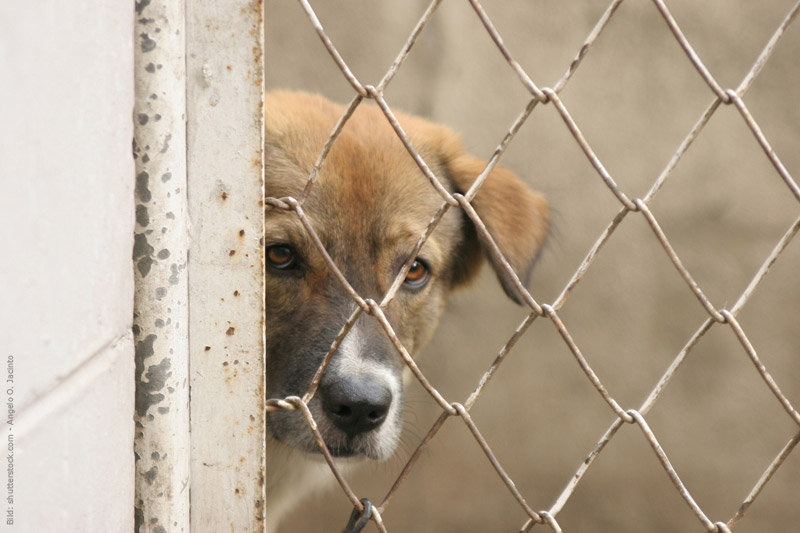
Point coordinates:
[[161, 311], [226, 290]]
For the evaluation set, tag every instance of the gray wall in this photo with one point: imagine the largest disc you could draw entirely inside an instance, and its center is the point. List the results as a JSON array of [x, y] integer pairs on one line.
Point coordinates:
[[635, 97], [66, 228]]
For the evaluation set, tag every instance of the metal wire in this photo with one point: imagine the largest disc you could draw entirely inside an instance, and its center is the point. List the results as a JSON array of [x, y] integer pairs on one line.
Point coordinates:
[[545, 95]]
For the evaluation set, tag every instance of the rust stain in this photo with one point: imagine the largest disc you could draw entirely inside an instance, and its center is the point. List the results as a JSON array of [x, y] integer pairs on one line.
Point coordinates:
[[236, 293], [224, 195], [207, 348], [232, 253], [231, 331]]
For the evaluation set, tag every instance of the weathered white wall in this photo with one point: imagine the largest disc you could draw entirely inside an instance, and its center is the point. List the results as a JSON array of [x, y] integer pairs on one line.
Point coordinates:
[[66, 279]]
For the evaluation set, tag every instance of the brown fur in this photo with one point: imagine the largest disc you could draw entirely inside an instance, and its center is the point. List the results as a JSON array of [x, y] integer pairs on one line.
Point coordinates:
[[369, 206]]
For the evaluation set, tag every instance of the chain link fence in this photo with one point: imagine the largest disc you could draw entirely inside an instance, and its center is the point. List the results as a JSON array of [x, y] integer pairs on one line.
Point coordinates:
[[629, 207]]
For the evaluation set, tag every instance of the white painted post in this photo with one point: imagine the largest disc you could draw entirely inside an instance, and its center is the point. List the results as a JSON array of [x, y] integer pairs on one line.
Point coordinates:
[[161, 309], [226, 288]]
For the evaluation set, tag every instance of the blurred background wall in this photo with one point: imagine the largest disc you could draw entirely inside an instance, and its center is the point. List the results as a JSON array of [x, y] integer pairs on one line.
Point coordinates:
[[635, 97]]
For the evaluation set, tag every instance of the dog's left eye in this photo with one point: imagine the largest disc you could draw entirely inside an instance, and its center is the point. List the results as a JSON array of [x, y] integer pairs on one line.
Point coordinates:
[[281, 256], [418, 275]]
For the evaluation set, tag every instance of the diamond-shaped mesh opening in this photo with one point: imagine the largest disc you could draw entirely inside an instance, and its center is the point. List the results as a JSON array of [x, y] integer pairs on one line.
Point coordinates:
[[707, 425], [727, 45], [727, 169], [627, 461], [664, 432], [606, 304], [634, 122]]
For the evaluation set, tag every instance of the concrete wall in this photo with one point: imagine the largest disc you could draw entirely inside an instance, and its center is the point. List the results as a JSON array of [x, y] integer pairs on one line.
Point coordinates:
[[635, 97], [66, 279]]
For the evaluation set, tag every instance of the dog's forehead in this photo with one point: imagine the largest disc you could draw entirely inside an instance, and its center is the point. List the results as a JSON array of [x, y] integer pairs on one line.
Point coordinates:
[[362, 182], [369, 189]]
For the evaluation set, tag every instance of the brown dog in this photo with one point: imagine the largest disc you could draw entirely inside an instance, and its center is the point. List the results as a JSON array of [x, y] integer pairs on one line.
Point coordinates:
[[369, 206]]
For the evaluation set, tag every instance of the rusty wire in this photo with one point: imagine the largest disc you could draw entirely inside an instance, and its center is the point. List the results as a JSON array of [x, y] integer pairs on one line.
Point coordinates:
[[545, 95]]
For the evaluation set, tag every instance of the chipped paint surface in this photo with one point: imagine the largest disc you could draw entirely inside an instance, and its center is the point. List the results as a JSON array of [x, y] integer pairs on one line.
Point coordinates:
[[225, 132], [160, 268]]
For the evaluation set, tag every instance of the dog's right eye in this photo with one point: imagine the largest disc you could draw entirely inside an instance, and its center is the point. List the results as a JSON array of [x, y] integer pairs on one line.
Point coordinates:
[[281, 256]]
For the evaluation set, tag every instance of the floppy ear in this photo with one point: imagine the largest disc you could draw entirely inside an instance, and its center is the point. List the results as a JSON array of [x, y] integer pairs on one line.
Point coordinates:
[[515, 216]]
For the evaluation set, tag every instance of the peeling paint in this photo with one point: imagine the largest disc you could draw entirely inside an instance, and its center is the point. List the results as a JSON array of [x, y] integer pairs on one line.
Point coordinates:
[[142, 217], [138, 519], [148, 44], [150, 475], [155, 379], [144, 265], [142, 186], [140, 5], [173, 279], [141, 248]]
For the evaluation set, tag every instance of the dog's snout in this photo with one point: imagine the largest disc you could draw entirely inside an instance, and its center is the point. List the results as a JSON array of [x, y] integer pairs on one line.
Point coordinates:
[[356, 406]]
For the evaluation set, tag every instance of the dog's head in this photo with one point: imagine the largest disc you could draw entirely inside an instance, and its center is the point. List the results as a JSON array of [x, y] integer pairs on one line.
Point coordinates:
[[369, 205]]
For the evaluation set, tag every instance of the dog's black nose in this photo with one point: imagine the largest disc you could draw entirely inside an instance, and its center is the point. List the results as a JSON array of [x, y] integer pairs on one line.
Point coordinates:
[[356, 406]]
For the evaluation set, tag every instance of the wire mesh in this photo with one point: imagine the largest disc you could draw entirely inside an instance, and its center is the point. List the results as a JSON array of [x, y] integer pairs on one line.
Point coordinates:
[[719, 316]]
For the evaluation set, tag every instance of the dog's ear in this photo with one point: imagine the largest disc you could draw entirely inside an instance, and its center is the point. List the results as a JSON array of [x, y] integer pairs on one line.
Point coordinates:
[[515, 216]]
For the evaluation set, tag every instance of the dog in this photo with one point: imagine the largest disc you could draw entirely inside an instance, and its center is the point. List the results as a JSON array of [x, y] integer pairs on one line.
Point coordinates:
[[369, 205]]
